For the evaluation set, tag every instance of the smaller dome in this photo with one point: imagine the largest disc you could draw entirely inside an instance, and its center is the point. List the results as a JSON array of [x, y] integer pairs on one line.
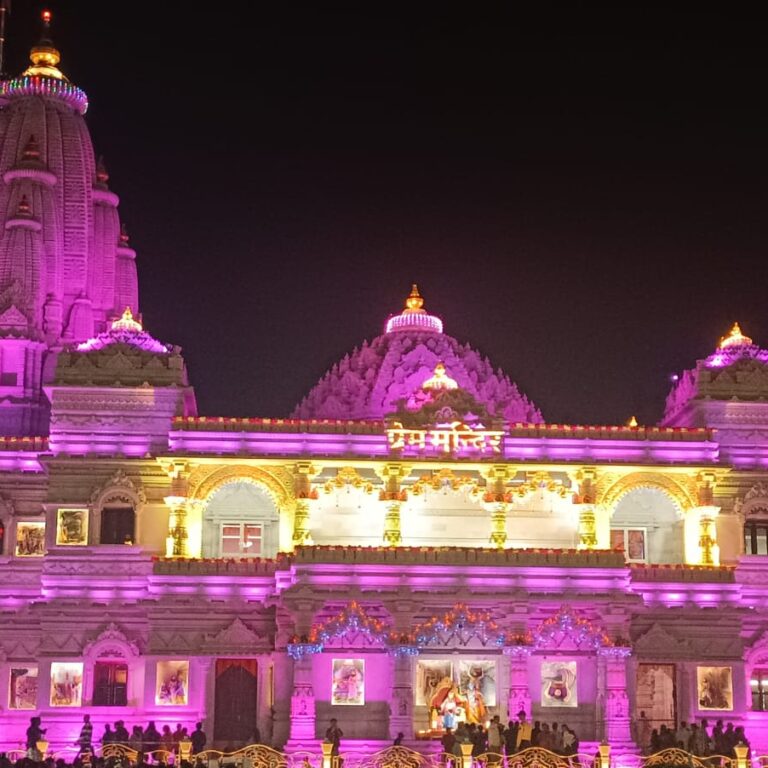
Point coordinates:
[[731, 372], [440, 379], [735, 346], [414, 317], [412, 359], [735, 338], [125, 330]]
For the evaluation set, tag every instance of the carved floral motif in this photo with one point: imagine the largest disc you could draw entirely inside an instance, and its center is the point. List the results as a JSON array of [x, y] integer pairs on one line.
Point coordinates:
[[111, 642], [119, 487]]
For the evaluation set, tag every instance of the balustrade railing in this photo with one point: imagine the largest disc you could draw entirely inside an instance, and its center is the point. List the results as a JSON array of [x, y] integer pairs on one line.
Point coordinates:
[[262, 756]]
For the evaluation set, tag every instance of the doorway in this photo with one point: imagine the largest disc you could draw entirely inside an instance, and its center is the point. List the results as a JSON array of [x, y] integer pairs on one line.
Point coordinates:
[[656, 694], [236, 703]]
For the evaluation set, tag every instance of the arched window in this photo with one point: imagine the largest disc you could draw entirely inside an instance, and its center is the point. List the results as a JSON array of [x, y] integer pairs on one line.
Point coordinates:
[[756, 536], [117, 506], [647, 526], [758, 684], [112, 663], [240, 519]]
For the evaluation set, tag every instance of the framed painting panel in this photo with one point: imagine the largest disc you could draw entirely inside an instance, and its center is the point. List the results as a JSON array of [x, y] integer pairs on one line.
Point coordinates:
[[22, 692], [433, 677], [72, 527], [348, 682], [558, 684], [172, 689], [714, 686], [66, 684], [30, 539]]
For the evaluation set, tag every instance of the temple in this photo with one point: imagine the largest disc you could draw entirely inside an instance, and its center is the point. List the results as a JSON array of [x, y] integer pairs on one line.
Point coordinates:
[[414, 547]]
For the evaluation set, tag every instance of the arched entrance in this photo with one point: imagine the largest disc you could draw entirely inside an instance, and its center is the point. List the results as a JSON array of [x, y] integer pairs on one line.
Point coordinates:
[[648, 525], [240, 519]]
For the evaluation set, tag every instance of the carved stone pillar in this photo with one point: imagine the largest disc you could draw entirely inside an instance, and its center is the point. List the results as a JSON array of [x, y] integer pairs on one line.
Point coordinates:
[[584, 501], [616, 701], [208, 702], [519, 693], [709, 550], [401, 703], [264, 717], [701, 546], [303, 472], [587, 527], [283, 683], [303, 701], [393, 496], [392, 533], [496, 500], [178, 536], [177, 502]]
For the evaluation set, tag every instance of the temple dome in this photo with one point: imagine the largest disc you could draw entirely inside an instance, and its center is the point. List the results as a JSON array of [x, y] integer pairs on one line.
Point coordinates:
[[736, 371], [369, 383]]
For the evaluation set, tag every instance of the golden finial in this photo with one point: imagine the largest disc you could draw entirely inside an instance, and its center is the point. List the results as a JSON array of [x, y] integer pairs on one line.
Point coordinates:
[[414, 302], [632, 422], [440, 379], [127, 322], [735, 338], [45, 56]]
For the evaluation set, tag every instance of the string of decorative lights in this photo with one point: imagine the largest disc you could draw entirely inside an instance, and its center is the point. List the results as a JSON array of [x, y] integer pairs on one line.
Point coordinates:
[[46, 86], [461, 622]]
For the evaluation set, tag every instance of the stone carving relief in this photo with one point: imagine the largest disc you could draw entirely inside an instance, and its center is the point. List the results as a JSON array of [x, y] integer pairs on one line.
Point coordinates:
[[682, 489], [119, 487], [277, 481], [236, 636], [303, 701], [111, 643], [657, 641], [754, 503], [175, 642]]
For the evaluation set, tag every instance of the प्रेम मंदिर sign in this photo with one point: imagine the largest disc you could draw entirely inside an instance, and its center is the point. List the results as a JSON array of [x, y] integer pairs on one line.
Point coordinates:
[[456, 438]]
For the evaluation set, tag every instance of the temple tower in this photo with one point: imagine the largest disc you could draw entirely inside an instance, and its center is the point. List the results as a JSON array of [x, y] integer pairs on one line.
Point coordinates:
[[66, 269]]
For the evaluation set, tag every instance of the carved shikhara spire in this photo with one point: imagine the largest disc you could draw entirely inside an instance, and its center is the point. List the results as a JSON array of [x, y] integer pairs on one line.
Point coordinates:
[[735, 338]]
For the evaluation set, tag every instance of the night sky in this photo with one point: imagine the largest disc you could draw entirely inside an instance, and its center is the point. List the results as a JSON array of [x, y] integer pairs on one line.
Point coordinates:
[[580, 195]]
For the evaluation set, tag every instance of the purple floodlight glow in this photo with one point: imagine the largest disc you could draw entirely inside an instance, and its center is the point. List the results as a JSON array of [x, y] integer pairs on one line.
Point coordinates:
[[128, 331], [725, 357]]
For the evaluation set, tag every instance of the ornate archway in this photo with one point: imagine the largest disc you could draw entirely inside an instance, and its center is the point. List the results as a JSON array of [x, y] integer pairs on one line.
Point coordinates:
[[205, 480], [681, 489]]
